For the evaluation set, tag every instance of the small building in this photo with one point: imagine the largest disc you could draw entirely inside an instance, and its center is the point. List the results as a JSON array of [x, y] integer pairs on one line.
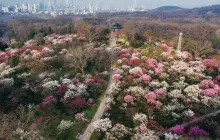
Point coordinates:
[[116, 26], [116, 30]]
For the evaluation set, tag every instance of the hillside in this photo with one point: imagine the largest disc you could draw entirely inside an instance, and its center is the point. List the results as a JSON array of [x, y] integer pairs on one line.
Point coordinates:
[[213, 9], [168, 8]]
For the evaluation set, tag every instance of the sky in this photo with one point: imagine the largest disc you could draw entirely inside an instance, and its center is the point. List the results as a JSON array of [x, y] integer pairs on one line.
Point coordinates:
[[127, 3]]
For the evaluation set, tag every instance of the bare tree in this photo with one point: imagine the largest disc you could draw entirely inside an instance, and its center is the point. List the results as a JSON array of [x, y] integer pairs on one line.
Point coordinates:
[[77, 57], [200, 47], [86, 29]]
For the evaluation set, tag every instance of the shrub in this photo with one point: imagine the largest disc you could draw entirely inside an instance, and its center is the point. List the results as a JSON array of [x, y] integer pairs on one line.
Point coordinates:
[[16, 45], [78, 103], [14, 61], [3, 46]]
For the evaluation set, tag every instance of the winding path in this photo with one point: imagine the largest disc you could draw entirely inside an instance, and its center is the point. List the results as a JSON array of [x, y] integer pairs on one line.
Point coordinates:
[[199, 119], [99, 113]]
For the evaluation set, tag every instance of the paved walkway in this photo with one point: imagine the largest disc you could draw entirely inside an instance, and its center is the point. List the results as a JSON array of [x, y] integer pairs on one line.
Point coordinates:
[[88, 132]]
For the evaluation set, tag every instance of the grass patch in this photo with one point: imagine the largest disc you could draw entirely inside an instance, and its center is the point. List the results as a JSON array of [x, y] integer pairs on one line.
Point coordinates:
[[97, 136], [91, 112]]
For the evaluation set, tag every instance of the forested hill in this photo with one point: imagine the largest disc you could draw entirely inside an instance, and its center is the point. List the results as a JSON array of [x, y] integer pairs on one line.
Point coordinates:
[[214, 9], [168, 8], [207, 10]]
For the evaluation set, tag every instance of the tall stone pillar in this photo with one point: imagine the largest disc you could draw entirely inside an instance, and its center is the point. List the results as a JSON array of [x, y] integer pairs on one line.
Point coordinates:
[[180, 42]]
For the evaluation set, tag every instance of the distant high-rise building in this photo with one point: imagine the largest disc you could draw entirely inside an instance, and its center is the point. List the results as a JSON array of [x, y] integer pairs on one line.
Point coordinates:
[[96, 6], [1, 8], [72, 2], [29, 7], [34, 8], [41, 6], [49, 6], [9, 9], [135, 4], [55, 3], [90, 8], [67, 3], [17, 6], [24, 7]]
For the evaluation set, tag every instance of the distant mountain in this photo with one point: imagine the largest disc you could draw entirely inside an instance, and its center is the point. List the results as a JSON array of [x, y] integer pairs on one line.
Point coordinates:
[[213, 9], [168, 8], [165, 12]]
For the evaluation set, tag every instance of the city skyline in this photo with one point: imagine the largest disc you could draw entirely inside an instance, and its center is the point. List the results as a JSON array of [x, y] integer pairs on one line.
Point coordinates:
[[123, 3]]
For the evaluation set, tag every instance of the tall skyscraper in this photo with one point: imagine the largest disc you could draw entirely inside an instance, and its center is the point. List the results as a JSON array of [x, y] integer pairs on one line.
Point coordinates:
[[42, 5], [25, 7], [67, 3], [135, 4], [55, 3], [34, 7], [29, 7], [49, 6], [96, 6], [72, 3], [90, 7]]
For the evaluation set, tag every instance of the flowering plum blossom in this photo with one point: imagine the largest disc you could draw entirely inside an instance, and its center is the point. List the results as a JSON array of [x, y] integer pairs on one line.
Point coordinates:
[[62, 89], [197, 132], [137, 71], [146, 78], [210, 63], [158, 71], [155, 84], [170, 86], [179, 130], [189, 113], [206, 84], [75, 91], [147, 135], [146, 86], [159, 91], [129, 99], [176, 93], [133, 60], [209, 92], [117, 131], [107, 107], [47, 101], [151, 97], [140, 117], [158, 104], [170, 136], [64, 125], [141, 128], [151, 63], [80, 117], [102, 124], [51, 85], [218, 78], [182, 55], [192, 91], [116, 77], [137, 91], [7, 82]]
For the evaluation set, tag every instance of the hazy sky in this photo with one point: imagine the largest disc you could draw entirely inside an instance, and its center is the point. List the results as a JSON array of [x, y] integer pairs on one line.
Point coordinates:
[[126, 3]]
